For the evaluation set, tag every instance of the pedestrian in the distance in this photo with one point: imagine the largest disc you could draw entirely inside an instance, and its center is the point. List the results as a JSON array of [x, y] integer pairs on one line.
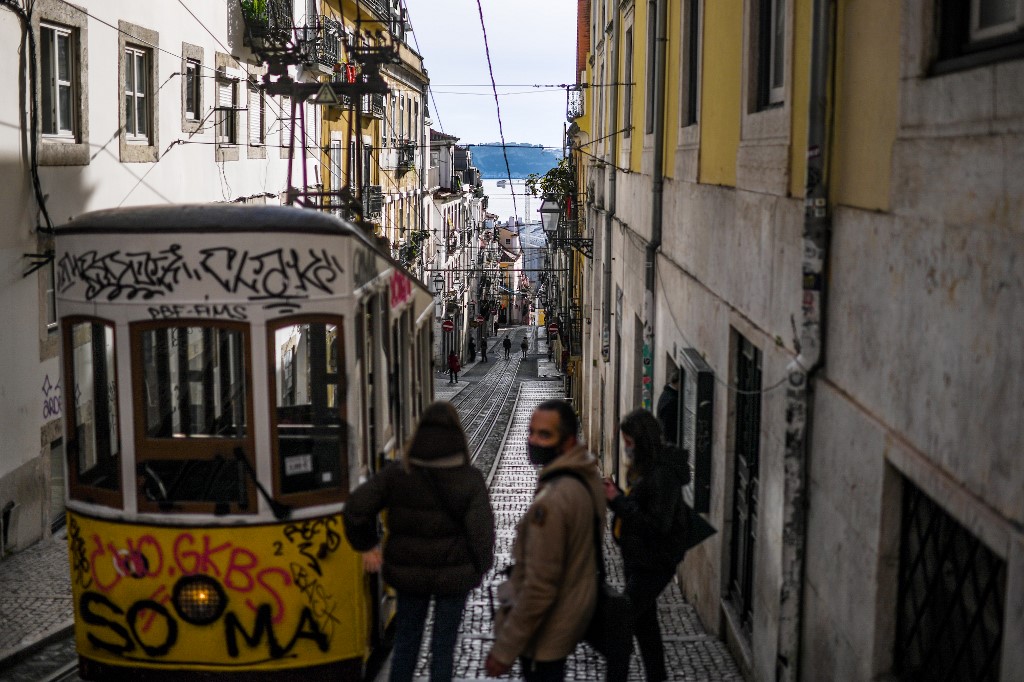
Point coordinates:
[[440, 537], [472, 350], [649, 528], [524, 345], [483, 351], [507, 345], [495, 327], [453, 368]]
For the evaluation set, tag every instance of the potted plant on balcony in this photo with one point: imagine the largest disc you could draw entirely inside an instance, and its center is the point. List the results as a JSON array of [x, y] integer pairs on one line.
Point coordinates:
[[261, 24]]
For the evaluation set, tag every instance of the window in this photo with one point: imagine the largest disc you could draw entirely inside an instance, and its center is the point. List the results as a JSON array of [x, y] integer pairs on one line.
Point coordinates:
[[627, 88], [771, 52], [286, 121], [227, 102], [51, 296], [746, 473], [975, 32], [691, 61], [59, 99], [138, 138], [257, 117], [309, 410], [61, 91], [94, 447], [951, 599], [193, 441], [193, 90], [136, 94], [335, 168]]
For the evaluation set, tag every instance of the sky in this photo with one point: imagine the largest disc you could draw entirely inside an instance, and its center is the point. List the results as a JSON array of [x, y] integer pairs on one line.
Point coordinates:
[[532, 42]]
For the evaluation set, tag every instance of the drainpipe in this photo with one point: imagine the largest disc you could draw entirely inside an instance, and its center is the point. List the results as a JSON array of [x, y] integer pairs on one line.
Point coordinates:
[[657, 197], [606, 313], [810, 348]]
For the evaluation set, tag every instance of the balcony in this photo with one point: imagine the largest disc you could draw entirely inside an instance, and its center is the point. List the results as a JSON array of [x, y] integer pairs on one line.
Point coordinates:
[[328, 47], [373, 104], [574, 104], [373, 202], [268, 23], [381, 9], [407, 155]]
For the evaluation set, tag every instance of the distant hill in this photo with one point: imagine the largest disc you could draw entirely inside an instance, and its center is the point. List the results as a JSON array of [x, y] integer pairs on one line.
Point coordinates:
[[523, 159]]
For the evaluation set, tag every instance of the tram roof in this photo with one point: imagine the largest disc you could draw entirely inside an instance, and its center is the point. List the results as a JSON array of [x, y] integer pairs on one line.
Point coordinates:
[[211, 218]]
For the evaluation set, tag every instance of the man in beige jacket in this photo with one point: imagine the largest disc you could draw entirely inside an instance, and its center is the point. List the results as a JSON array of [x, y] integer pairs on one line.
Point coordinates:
[[554, 575]]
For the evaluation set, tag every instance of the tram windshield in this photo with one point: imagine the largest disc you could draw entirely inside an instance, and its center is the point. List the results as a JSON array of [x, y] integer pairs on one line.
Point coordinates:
[[194, 382]]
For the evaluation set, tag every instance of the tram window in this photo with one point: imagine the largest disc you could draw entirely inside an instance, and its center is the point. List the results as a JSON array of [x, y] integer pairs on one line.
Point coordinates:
[[309, 409], [194, 382], [194, 447], [93, 443]]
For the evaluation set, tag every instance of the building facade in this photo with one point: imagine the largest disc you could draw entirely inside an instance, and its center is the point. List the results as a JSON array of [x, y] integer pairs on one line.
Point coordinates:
[[113, 104], [813, 212]]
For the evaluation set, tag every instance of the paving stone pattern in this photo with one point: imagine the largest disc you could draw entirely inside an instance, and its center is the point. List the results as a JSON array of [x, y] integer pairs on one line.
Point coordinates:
[[691, 654]]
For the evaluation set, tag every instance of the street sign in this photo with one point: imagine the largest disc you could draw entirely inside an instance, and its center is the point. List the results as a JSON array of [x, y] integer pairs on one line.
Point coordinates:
[[479, 318], [553, 328], [447, 325]]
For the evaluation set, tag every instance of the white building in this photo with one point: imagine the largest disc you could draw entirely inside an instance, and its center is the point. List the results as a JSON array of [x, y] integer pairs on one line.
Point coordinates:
[[118, 103]]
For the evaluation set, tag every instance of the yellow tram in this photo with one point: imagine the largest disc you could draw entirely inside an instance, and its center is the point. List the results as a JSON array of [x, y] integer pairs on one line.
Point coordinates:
[[231, 372]]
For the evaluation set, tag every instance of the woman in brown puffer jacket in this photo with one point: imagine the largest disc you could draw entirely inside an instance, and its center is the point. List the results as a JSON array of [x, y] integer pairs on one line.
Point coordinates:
[[440, 538]]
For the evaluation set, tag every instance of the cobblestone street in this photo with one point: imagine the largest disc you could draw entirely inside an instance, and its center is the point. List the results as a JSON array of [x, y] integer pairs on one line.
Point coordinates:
[[691, 653]]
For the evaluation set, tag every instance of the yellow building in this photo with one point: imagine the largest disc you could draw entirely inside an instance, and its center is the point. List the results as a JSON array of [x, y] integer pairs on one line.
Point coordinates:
[[373, 160], [806, 209]]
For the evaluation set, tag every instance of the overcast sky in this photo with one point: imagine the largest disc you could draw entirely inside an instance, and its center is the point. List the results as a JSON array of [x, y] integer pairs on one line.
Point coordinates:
[[532, 42]]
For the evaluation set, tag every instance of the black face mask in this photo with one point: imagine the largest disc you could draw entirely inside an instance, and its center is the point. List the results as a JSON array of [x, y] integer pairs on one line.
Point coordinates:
[[541, 455]]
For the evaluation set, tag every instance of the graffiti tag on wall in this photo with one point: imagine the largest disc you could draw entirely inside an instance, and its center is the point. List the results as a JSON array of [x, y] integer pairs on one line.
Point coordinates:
[[277, 278], [270, 594], [52, 394]]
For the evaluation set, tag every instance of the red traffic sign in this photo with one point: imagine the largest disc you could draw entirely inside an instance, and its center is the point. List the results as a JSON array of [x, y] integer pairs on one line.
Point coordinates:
[[447, 325], [479, 318], [553, 328]]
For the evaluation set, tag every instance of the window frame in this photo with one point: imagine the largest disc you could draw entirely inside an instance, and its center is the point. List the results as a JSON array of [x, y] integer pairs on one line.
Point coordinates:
[[193, 90], [690, 60], [52, 57], [65, 150], [136, 41], [79, 490], [768, 49], [261, 116], [327, 495], [133, 55], [195, 446], [960, 46], [226, 123]]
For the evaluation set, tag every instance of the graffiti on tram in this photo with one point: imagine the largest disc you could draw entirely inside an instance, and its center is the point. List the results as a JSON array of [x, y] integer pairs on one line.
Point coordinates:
[[224, 596], [274, 277]]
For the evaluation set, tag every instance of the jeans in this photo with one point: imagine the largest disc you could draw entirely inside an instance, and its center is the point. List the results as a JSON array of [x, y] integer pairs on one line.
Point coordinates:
[[542, 671], [410, 617], [643, 588]]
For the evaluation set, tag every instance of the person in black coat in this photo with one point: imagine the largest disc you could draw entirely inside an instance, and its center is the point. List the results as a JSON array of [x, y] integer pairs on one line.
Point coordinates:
[[648, 526], [440, 539]]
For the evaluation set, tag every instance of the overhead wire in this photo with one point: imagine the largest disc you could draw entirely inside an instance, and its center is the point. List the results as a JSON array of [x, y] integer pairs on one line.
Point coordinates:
[[497, 103]]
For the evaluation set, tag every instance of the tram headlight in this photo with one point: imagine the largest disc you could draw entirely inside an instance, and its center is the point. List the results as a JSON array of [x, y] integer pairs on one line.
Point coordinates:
[[199, 599]]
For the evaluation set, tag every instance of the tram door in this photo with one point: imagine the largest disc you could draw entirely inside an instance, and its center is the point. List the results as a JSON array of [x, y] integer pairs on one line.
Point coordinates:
[[366, 338]]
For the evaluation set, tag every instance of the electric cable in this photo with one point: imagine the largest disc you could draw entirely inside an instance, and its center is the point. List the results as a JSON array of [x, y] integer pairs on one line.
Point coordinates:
[[497, 104]]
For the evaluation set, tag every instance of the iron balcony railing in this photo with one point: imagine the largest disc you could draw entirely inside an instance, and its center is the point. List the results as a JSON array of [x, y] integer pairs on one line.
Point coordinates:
[[574, 104], [380, 8], [407, 155], [373, 201], [328, 47], [373, 105], [267, 22]]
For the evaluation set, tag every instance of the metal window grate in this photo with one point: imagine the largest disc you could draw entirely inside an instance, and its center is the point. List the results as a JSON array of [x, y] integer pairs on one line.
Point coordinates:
[[745, 481], [952, 589]]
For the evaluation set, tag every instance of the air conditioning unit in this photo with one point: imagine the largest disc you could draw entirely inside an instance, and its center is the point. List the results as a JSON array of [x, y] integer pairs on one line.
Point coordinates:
[[697, 403]]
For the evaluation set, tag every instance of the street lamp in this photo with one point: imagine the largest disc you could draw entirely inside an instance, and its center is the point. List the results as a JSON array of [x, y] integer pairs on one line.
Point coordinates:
[[438, 283], [550, 211]]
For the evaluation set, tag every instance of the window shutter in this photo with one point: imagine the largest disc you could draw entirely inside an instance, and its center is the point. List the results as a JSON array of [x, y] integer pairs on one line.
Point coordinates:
[[286, 121], [255, 117]]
